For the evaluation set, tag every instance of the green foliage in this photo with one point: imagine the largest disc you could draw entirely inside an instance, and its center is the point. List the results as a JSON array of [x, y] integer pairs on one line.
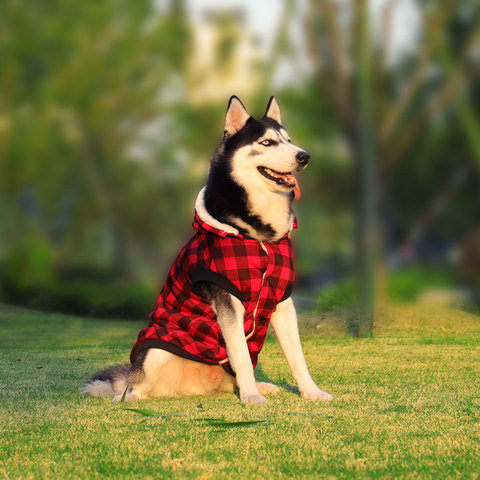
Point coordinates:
[[94, 299], [408, 283], [404, 285], [102, 149], [29, 264], [78, 82], [340, 294]]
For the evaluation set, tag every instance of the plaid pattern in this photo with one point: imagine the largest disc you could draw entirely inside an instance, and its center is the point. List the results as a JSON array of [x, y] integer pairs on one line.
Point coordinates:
[[260, 275]]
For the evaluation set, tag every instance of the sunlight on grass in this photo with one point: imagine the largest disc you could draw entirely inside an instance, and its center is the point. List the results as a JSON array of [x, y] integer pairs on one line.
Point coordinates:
[[407, 405]]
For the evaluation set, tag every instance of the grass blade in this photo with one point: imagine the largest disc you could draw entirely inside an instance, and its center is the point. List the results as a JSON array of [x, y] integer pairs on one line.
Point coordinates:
[[144, 412], [304, 413], [213, 422], [151, 413], [122, 400]]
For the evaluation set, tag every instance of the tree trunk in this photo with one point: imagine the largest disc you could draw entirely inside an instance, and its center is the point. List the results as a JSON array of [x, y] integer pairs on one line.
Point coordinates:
[[366, 164]]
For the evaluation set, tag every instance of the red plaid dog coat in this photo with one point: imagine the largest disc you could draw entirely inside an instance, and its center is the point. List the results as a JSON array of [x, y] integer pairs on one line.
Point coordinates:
[[259, 274]]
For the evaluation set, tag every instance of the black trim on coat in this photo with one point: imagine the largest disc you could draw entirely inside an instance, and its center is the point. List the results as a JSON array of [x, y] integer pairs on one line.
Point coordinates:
[[175, 350], [209, 276], [288, 293]]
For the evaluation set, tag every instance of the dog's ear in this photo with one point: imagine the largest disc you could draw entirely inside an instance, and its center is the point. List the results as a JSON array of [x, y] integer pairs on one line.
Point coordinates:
[[237, 116], [273, 110]]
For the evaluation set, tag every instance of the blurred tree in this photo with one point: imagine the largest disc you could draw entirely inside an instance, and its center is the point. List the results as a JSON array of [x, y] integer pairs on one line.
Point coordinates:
[[80, 81], [106, 125], [336, 37]]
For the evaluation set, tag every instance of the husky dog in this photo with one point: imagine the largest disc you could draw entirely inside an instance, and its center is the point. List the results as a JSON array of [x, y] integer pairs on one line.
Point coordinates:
[[230, 281]]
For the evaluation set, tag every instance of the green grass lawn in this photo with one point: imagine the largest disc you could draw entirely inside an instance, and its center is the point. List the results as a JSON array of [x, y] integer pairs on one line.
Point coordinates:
[[407, 405]]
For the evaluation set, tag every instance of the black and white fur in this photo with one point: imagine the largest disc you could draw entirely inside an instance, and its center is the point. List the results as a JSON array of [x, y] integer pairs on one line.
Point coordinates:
[[249, 190]]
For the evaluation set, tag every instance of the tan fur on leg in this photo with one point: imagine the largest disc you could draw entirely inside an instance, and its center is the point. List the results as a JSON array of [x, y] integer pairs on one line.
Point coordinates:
[[267, 388], [167, 375]]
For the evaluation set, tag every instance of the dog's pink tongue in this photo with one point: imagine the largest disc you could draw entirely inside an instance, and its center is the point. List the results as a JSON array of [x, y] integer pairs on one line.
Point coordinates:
[[296, 190]]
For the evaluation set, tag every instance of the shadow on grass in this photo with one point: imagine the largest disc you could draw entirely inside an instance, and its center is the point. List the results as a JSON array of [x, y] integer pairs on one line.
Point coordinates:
[[291, 388], [260, 375]]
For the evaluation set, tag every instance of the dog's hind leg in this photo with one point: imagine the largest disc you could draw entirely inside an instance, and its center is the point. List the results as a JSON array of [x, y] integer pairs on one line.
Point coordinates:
[[201, 379], [155, 372], [267, 388]]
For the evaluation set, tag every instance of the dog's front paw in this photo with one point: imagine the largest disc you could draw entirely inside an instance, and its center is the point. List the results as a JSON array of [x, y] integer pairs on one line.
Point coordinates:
[[255, 399], [316, 394]]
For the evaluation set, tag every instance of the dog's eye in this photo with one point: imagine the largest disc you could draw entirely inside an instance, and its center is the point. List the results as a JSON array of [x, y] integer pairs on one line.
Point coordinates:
[[267, 143]]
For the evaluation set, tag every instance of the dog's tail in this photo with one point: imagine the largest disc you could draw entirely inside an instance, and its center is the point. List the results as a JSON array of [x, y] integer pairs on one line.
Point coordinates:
[[106, 383]]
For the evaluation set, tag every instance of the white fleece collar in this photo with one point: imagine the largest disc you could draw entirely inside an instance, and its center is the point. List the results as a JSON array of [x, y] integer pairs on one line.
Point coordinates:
[[207, 218]]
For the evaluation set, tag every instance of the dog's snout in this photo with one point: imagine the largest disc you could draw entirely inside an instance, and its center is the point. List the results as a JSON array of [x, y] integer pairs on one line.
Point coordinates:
[[302, 158]]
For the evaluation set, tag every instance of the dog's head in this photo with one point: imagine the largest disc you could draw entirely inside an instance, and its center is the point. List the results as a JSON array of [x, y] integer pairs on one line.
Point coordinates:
[[260, 152]]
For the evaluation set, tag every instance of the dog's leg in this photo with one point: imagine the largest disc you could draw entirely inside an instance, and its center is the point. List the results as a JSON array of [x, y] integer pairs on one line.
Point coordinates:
[[230, 316], [267, 388], [285, 325], [146, 374]]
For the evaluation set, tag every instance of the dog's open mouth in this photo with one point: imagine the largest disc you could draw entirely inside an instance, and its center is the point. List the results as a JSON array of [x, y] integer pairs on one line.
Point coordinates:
[[283, 179]]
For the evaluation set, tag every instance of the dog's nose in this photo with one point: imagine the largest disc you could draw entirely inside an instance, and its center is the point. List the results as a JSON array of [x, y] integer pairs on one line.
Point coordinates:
[[302, 158]]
